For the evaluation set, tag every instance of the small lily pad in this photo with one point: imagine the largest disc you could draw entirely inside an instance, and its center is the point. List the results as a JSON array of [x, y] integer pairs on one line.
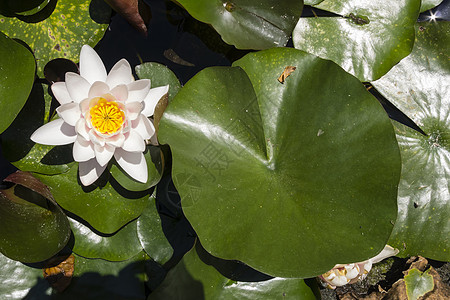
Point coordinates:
[[32, 226], [151, 235], [429, 4], [418, 283], [248, 24], [120, 246], [367, 40]]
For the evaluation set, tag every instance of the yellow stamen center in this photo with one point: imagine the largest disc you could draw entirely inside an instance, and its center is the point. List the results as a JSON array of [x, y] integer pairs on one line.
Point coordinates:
[[106, 116]]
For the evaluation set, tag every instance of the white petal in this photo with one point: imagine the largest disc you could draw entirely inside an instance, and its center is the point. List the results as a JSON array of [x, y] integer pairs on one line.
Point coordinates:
[[98, 89], [103, 154], [134, 142], [90, 171], [120, 92], [388, 251], [144, 127], [339, 281], [60, 92], [97, 140], [132, 163], [82, 150], [154, 95], [77, 86], [84, 105], [138, 90], [56, 132], [82, 129], [134, 110], [352, 271], [120, 74], [69, 112], [116, 141], [91, 65]]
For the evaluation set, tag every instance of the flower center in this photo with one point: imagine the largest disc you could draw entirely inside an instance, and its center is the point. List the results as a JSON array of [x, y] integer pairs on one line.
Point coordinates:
[[106, 116]]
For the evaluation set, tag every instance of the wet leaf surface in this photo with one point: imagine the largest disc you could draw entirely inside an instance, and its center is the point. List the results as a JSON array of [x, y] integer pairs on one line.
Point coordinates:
[[266, 163], [419, 86], [367, 40]]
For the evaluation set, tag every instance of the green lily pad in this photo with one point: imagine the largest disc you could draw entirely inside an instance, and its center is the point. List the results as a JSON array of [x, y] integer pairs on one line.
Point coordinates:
[[32, 226], [159, 75], [59, 33], [11, 7], [419, 86], [17, 78], [311, 2], [307, 168], [24, 153], [429, 4], [194, 279], [18, 280], [100, 279], [120, 246], [418, 283], [248, 24], [367, 41], [152, 236], [106, 205], [155, 165]]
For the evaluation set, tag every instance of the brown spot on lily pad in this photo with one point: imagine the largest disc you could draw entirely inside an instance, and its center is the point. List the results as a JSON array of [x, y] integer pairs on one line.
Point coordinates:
[[59, 273], [287, 72]]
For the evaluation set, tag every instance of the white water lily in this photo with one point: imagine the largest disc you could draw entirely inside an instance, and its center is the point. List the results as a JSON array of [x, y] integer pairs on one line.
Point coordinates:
[[104, 116], [343, 274]]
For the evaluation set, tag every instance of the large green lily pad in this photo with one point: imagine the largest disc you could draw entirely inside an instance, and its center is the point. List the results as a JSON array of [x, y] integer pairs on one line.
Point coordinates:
[[32, 226], [369, 38], [420, 86], [290, 178], [17, 78], [248, 24], [67, 27], [194, 279]]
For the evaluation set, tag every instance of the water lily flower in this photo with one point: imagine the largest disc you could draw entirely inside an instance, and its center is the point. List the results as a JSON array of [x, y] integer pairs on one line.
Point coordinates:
[[343, 274], [104, 116]]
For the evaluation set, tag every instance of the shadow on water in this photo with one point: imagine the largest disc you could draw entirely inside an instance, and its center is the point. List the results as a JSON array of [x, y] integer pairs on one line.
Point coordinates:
[[128, 283]]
